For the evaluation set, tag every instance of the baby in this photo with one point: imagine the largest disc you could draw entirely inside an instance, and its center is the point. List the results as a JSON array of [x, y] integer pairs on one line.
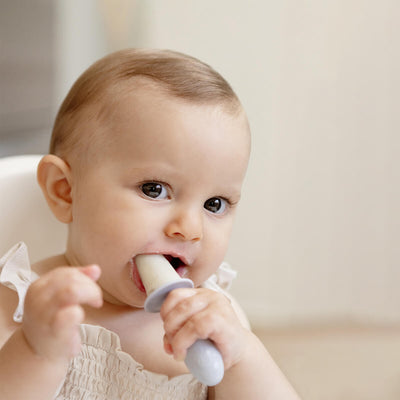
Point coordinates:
[[148, 154]]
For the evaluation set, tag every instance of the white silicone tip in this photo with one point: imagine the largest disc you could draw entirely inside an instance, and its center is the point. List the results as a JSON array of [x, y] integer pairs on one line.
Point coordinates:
[[155, 271]]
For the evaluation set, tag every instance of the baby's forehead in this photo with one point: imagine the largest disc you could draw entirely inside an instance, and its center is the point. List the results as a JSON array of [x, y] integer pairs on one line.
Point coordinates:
[[121, 108], [121, 100], [118, 93]]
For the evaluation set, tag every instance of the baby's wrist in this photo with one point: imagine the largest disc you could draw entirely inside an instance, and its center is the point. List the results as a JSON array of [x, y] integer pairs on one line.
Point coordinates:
[[40, 357], [27, 352], [250, 348]]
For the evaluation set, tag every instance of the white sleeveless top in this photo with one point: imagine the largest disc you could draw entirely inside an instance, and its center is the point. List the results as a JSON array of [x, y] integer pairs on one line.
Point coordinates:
[[102, 371]]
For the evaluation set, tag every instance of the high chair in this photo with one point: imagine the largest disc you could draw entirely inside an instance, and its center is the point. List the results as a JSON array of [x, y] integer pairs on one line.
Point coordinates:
[[24, 214]]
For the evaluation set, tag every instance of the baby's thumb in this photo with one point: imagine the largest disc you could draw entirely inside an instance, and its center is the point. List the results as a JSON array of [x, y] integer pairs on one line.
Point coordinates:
[[92, 271]]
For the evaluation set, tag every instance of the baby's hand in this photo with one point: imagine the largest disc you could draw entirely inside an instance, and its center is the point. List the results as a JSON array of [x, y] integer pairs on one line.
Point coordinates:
[[53, 310], [191, 314]]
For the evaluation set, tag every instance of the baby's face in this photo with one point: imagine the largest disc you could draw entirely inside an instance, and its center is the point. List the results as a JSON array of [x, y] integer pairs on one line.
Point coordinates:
[[167, 182]]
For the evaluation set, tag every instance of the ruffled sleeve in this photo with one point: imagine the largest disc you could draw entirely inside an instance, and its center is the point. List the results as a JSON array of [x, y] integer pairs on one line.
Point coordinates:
[[222, 279], [16, 274]]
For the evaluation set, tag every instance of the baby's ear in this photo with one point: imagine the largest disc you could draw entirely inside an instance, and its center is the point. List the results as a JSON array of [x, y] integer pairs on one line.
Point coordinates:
[[54, 177]]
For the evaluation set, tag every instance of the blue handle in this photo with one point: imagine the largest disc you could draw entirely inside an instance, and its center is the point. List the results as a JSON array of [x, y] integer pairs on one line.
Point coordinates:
[[205, 362]]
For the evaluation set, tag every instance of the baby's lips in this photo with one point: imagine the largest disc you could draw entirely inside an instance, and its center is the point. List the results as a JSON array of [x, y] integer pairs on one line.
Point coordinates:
[[179, 263], [137, 280]]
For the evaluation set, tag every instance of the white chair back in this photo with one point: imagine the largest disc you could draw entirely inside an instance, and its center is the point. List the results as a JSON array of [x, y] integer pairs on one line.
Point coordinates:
[[24, 214]]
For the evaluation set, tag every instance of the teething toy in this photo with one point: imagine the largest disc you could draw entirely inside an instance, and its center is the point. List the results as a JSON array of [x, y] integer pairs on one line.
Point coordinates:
[[159, 278]]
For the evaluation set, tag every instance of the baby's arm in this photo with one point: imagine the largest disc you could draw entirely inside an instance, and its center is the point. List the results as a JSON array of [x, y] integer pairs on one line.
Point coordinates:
[[250, 372], [34, 359]]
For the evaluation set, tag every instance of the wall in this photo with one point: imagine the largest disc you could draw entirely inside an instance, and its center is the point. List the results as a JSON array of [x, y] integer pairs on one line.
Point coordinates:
[[315, 239], [26, 75]]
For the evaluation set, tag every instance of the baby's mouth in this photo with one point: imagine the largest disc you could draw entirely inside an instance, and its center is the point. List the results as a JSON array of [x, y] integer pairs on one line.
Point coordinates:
[[177, 264], [135, 276]]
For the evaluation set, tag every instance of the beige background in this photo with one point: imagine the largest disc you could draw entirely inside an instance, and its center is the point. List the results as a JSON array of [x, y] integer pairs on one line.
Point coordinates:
[[316, 238]]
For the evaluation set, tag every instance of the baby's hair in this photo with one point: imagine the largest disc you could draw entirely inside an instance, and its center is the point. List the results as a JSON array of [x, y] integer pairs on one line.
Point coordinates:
[[176, 74]]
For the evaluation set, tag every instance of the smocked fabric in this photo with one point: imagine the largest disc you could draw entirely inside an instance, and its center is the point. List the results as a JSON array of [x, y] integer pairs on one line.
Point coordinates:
[[102, 371]]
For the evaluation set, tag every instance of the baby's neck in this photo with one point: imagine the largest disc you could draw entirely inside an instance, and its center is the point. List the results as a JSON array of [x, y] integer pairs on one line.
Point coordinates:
[[47, 264]]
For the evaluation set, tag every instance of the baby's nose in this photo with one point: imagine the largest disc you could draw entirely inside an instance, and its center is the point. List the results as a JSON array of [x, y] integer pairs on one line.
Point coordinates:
[[185, 225]]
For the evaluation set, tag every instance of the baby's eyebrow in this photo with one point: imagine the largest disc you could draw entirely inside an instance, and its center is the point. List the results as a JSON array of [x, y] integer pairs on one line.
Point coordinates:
[[234, 197], [151, 168]]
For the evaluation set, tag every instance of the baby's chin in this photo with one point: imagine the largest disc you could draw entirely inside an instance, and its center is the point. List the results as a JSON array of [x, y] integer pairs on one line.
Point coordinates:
[[121, 302]]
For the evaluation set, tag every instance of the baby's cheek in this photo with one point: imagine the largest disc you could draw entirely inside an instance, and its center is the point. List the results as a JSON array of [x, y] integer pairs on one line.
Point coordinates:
[[208, 268]]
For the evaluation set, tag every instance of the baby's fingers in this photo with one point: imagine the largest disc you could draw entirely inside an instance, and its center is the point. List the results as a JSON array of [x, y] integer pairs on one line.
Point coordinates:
[[67, 317], [92, 271], [65, 327], [87, 291], [77, 286], [202, 325], [180, 305]]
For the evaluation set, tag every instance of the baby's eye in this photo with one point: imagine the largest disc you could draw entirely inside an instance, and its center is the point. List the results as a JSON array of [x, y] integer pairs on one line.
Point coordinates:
[[216, 205], [154, 190]]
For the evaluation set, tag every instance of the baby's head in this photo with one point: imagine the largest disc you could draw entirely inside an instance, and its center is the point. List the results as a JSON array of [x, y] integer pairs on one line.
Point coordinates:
[[89, 107], [149, 153]]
